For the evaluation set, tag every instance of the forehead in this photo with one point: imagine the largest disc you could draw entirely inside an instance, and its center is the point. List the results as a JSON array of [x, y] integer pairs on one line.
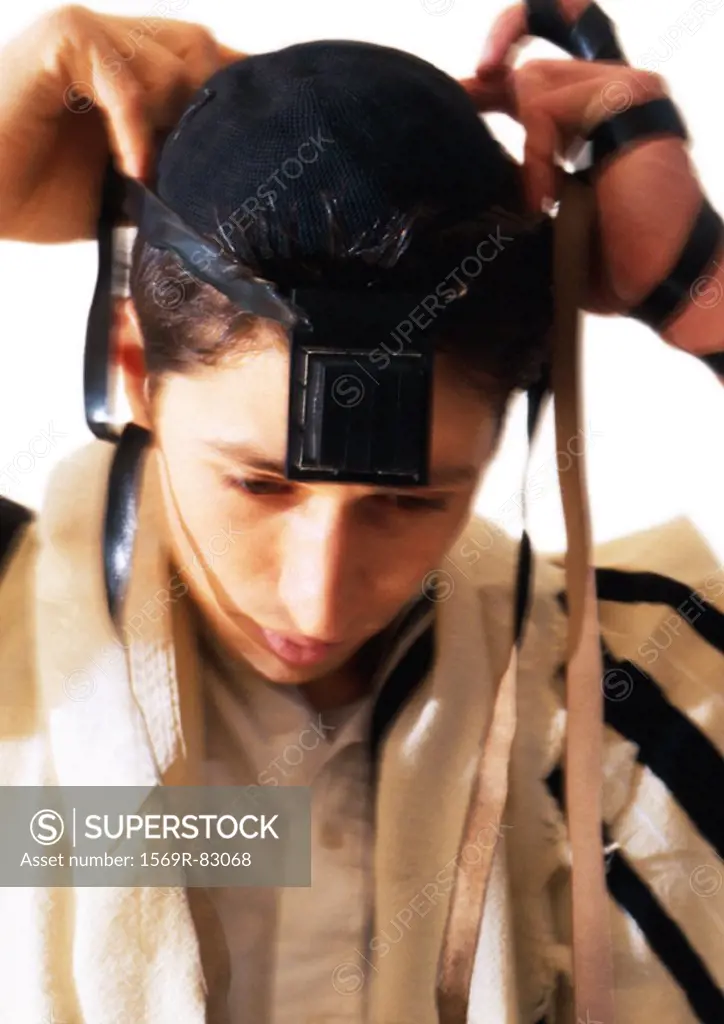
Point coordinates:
[[244, 401]]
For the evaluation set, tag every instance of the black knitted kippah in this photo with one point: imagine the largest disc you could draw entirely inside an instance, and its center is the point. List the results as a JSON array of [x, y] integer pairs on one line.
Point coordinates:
[[352, 128]]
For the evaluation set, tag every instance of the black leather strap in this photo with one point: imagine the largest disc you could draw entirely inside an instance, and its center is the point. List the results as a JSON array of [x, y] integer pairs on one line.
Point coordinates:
[[664, 302], [655, 117], [121, 520], [715, 362], [525, 570], [594, 36], [591, 37], [127, 201], [13, 519], [98, 412]]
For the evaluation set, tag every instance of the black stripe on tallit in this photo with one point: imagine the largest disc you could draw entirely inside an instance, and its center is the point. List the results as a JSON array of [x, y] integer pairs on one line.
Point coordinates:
[[536, 396], [523, 586], [653, 588], [670, 745], [663, 935], [666, 939]]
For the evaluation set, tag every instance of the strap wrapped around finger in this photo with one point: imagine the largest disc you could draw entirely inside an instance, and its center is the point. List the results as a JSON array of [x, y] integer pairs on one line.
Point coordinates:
[[591, 37]]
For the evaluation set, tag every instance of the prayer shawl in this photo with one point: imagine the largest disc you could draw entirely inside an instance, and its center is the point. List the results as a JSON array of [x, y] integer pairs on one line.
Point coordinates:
[[77, 707]]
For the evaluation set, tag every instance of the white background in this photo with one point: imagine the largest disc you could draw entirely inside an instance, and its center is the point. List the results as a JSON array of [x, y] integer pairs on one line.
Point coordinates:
[[655, 417]]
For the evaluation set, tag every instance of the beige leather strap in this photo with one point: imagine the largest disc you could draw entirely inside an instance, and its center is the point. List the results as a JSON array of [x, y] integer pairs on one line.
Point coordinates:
[[592, 953], [485, 811], [592, 957]]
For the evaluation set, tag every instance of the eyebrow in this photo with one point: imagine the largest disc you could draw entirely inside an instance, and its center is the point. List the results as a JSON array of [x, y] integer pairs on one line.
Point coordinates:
[[252, 457]]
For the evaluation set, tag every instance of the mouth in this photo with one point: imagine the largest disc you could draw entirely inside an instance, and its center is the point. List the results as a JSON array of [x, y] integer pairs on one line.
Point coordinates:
[[298, 650]]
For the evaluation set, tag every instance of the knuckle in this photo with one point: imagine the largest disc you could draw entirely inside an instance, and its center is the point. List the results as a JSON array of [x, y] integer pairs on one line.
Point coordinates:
[[132, 91], [536, 67], [646, 85], [203, 36], [531, 80], [653, 81], [205, 44], [65, 20], [204, 55], [61, 38]]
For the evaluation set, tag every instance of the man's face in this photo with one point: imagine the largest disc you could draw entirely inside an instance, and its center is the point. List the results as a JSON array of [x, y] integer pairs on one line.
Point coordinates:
[[285, 561]]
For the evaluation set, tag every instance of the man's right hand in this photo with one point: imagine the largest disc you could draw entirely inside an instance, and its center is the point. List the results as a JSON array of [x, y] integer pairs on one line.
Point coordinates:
[[76, 85]]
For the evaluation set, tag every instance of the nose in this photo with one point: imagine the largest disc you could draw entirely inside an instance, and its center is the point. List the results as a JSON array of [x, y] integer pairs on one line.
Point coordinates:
[[322, 578]]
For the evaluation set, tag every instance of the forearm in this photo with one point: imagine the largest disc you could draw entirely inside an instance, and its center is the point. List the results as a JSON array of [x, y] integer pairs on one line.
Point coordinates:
[[645, 238], [699, 328]]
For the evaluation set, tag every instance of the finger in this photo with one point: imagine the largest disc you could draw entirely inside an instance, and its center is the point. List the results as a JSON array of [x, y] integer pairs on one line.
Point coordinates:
[[193, 44], [554, 72], [179, 37], [494, 89], [229, 56], [202, 56], [547, 74], [493, 92], [142, 97], [614, 86], [578, 107], [542, 141], [124, 114], [508, 29], [499, 89]]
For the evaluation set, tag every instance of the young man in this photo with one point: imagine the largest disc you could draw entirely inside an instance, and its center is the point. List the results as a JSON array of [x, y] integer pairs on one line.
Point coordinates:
[[285, 633]]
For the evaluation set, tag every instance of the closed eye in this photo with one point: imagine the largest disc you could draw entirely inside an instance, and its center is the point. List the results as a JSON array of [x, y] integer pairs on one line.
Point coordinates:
[[260, 487], [411, 503]]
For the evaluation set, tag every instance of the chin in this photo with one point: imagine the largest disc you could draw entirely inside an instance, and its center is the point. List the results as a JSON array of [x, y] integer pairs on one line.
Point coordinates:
[[282, 675]]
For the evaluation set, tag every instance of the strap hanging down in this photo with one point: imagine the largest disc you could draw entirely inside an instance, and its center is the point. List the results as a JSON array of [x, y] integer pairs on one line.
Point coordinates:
[[592, 957], [592, 953], [96, 361], [488, 796]]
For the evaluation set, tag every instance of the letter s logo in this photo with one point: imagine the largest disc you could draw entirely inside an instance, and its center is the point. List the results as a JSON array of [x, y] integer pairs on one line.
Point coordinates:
[[46, 827]]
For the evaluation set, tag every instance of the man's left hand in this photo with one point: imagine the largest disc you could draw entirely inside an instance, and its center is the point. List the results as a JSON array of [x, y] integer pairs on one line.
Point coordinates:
[[647, 195]]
